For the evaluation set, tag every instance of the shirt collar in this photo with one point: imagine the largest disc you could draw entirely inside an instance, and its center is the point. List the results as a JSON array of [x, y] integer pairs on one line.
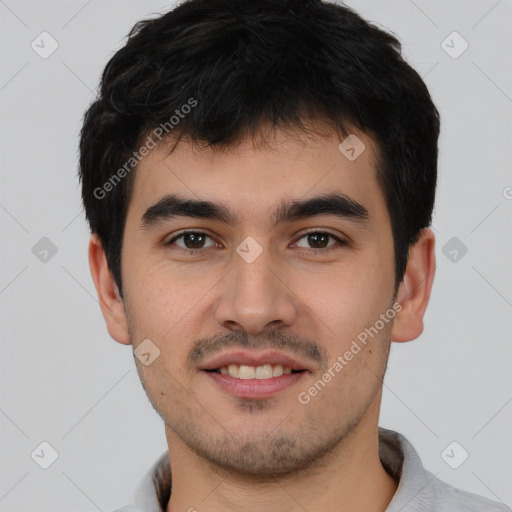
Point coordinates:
[[403, 463]]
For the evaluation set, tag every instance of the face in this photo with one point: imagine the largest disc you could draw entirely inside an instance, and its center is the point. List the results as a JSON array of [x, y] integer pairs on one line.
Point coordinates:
[[259, 286]]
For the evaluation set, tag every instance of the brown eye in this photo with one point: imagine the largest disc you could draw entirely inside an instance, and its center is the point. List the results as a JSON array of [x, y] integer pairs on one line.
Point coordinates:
[[319, 240], [191, 240]]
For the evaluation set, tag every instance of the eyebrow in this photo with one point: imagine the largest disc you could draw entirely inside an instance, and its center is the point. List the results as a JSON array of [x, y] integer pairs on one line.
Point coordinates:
[[173, 206]]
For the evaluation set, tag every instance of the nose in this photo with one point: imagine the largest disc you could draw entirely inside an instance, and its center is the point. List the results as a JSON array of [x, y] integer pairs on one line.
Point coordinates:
[[255, 296]]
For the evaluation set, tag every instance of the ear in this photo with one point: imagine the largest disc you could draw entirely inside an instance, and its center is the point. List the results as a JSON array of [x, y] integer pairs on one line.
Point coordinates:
[[110, 300], [414, 290]]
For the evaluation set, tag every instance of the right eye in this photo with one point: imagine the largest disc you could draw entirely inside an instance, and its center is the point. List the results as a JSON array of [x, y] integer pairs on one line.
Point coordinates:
[[193, 241]]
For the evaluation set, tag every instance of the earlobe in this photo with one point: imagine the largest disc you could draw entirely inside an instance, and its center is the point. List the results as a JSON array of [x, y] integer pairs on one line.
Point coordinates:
[[111, 303], [414, 290]]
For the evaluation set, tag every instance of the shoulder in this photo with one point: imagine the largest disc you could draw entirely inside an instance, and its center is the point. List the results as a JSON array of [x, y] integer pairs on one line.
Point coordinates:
[[418, 489], [450, 499]]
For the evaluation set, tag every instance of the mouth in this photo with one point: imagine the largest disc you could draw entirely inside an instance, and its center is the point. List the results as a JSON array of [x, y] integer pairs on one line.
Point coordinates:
[[252, 375]]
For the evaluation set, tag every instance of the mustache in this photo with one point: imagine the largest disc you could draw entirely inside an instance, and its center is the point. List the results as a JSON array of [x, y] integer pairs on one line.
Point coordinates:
[[275, 339]]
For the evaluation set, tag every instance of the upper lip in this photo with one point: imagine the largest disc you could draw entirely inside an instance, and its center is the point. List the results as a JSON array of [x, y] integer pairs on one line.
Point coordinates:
[[261, 358]]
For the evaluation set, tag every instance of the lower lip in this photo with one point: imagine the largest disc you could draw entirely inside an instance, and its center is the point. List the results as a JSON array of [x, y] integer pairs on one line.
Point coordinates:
[[255, 388]]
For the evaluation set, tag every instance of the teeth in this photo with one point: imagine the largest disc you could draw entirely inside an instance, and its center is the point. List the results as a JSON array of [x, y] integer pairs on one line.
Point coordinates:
[[277, 370], [234, 370], [266, 371], [247, 372]]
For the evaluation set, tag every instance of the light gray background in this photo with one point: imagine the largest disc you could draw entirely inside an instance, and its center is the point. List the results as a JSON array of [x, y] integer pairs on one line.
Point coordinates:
[[65, 381]]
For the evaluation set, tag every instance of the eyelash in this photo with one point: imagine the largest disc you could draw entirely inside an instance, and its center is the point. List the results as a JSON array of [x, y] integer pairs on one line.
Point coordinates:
[[197, 252]]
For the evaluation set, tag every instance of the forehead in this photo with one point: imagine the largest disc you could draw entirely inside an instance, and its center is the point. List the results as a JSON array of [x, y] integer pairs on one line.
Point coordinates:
[[254, 179]]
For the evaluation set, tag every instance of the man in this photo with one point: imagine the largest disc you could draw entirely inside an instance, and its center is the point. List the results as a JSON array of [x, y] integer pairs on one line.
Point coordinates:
[[259, 178]]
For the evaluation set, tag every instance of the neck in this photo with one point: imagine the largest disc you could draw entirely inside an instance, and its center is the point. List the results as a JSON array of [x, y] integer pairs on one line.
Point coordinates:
[[351, 478]]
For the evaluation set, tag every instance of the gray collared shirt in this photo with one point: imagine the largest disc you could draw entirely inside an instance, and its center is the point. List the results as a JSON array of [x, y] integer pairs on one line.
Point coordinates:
[[418, 490]]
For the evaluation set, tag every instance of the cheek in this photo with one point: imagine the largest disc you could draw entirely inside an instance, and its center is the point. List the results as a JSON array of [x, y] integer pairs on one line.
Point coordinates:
[[347, 298], [165, 304], [162, 294], [350, 308]]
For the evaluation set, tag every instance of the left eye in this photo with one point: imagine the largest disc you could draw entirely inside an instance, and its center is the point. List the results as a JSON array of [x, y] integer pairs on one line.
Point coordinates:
[[319, 238]]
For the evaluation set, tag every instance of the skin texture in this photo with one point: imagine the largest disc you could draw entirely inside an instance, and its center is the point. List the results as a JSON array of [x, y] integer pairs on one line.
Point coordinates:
[[274, 453]]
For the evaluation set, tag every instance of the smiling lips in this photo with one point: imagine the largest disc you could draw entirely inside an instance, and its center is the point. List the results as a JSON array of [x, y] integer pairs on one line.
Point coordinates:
[[254, 375]]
